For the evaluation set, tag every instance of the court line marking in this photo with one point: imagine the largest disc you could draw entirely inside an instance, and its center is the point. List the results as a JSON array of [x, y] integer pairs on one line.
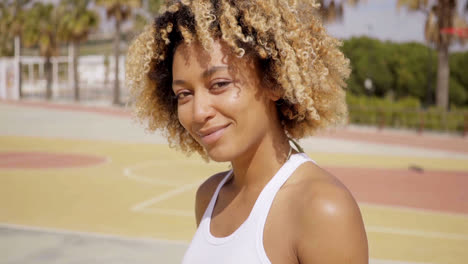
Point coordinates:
[[415, 232], [387, 261], [129, 171], [412, 209], [347, 147], [58, 231], [172, 212], [143, 207], [92, 234], [164, 196], [371, 229]]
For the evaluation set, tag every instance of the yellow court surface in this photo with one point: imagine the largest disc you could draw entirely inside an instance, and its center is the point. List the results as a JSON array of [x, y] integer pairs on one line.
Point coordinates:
[[147, 190]]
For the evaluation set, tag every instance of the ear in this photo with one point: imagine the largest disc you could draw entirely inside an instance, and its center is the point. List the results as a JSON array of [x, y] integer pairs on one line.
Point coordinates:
[[275, 93]]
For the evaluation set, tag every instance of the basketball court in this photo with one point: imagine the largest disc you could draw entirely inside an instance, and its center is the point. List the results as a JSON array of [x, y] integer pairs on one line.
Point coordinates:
[[86, 184]]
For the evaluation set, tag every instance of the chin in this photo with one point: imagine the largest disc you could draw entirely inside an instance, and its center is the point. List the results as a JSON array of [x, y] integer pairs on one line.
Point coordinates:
[[221, 153], [219, 156]]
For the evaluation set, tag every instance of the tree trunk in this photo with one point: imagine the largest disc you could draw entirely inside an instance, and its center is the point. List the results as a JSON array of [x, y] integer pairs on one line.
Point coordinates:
[[18, 65], [445, 13], [429, 94], [443, 76], [116, 61], [76, 82], [48, 73]]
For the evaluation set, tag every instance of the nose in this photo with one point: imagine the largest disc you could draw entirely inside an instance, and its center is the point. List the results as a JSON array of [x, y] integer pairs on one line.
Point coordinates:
[[202, 108]]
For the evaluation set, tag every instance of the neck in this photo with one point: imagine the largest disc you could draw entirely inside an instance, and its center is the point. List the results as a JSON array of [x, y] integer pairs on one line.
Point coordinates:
[[262, 161]]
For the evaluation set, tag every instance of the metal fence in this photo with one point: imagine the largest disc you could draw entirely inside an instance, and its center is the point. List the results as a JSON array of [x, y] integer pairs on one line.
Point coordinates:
[[455, 121]]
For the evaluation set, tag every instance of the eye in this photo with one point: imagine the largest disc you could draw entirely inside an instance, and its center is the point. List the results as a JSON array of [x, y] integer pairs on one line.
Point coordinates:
[[220, 85], [182, 96]]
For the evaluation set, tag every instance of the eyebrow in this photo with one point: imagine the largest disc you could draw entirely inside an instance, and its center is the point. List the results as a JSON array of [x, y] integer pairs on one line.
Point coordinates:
[[205, 74], [212, 70]]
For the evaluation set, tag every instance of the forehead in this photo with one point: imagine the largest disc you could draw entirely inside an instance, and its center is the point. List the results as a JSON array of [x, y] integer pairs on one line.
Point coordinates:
[[193, 59]]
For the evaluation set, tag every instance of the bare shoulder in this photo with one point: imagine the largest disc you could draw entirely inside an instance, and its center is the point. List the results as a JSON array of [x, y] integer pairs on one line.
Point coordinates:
[[205, 192], [330, 225]]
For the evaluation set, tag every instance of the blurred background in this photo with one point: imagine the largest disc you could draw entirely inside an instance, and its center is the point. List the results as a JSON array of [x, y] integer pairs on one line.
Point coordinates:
[[408, 57], [82, 182]]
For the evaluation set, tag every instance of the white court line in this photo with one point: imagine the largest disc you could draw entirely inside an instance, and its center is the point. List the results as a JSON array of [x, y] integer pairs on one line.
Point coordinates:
[[92, 234], [172, 212], [148, 240], [386, 261], [164, 196], [413, 210], [373, 229], [129, 172], [414, 232]]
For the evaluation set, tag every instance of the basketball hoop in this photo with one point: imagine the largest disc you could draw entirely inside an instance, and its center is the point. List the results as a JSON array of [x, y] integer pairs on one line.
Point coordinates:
[[460, 32]]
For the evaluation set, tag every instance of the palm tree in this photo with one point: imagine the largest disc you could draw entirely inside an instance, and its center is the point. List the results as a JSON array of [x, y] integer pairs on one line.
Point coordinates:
[[6, 47], [41, 29], [12, 26], [78, 21], [120, 10], [144, 16], [332, 11], [152, 6], [439, 15]]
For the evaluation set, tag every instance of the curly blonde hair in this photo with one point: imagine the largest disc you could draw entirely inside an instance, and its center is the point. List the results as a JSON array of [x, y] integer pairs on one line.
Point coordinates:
[[295, 54]]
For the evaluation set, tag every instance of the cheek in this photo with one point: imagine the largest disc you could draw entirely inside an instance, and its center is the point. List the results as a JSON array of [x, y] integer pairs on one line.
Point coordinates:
[[243, 107], [234, 104], [184, 117]]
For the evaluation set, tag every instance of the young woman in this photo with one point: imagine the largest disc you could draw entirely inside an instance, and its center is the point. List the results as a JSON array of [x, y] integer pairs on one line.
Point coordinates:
[[237, 81]]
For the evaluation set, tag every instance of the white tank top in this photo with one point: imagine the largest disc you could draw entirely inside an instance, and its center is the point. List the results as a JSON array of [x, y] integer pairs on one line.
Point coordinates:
[[245, 245]]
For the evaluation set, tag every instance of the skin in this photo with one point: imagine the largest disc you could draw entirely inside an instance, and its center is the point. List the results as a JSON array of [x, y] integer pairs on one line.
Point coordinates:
[[313, 218]]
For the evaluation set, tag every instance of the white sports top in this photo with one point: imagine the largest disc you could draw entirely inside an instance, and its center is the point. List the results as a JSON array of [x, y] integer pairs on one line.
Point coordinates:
[[245, 245]]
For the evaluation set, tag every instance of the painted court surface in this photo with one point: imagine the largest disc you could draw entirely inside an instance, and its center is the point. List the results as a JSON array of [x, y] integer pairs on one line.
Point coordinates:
[[86, 184]]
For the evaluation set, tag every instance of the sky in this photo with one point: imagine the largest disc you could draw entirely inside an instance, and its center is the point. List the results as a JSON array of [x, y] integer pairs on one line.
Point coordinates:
[[381, 19], [375, 18]]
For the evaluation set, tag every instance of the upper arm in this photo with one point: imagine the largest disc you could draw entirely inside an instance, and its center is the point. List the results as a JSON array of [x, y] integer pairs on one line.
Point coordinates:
[[204, 194], [332, 229]]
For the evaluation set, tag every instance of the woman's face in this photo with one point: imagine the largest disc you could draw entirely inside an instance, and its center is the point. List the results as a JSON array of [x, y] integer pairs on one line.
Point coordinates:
[[220, 100]]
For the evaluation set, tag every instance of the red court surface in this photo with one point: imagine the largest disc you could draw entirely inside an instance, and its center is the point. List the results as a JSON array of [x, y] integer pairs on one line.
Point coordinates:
[[44, 160], [444, 191]]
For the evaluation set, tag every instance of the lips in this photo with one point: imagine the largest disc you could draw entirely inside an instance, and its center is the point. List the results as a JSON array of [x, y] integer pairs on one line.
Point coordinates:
[[212, 134]]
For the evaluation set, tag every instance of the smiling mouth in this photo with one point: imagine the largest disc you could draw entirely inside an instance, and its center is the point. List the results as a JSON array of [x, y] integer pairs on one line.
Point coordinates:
[[212, 136]]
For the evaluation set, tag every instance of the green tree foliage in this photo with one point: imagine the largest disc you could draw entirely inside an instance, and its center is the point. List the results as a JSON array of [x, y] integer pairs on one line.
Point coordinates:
[[459, 79], [153, 6], [12, 19], [6, 45], [369, 59], [144, 16], [402, 70], [396, 70]]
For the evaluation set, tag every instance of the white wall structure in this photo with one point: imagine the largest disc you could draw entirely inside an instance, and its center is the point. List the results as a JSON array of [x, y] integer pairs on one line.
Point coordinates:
[[7, 78], [93, 74]]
